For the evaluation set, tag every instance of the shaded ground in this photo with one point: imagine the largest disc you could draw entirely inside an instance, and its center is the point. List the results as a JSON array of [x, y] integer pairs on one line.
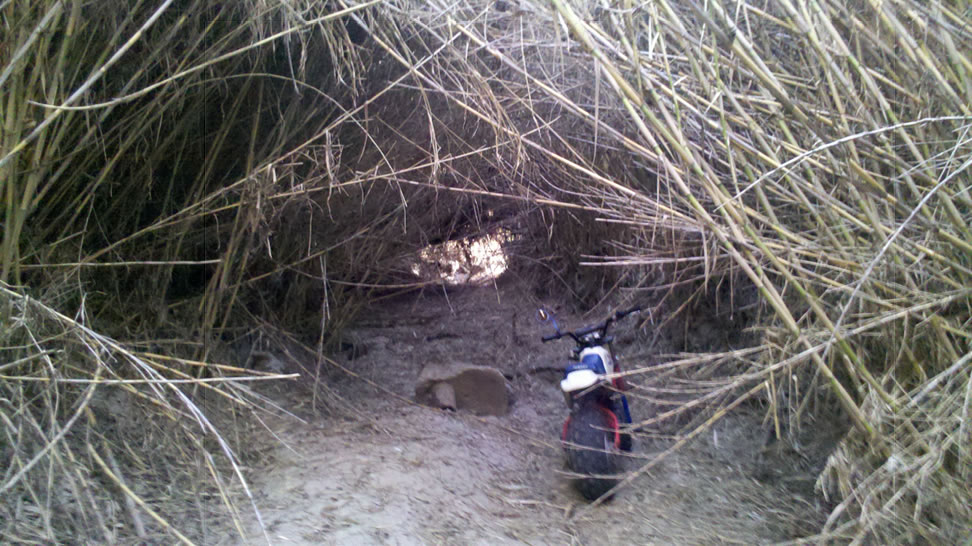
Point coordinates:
[[380, 470]]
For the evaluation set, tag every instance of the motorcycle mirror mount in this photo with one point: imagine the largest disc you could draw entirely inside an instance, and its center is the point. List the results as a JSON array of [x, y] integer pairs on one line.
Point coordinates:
[[546, 316]]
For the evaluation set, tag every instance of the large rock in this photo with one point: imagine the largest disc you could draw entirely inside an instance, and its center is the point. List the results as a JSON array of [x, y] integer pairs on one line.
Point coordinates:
[[479, 389]]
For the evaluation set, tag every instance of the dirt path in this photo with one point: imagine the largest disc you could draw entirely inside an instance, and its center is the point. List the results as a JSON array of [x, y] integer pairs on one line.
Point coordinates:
[[384, 471]]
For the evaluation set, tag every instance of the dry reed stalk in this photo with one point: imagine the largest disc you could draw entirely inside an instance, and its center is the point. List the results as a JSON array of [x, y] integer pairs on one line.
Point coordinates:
[[816, 153], [788, 142], [131, 120]]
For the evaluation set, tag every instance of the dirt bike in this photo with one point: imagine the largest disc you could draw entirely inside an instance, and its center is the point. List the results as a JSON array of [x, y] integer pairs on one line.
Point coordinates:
[[592, 435]]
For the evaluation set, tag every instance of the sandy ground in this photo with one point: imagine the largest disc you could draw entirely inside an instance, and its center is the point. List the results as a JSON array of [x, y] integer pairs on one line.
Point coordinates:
[[376, 469]]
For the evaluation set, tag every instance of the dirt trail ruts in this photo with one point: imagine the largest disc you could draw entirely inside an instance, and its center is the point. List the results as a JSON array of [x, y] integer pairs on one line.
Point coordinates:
[[379, 470]]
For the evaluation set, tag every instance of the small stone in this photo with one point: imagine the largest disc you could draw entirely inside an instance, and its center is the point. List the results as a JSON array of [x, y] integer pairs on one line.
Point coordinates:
[[479, 389], [444, 396]]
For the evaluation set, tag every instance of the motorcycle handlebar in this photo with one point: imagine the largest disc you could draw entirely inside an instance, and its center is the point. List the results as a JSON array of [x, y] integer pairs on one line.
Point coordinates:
[[577, 334]]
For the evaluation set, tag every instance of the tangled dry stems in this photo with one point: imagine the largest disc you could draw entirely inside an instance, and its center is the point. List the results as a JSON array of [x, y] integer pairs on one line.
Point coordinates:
[[76, 402], [784, 147], [815, 154]]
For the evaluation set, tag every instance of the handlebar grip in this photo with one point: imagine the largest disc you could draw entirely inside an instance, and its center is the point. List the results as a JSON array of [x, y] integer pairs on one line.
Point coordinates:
[[551, 337]]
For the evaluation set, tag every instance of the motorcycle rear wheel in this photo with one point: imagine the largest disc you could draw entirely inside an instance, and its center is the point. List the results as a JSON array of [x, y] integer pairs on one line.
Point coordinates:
[[589, 441]]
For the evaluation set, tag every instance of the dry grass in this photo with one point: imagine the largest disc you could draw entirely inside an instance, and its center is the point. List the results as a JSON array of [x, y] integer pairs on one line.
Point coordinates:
[[76, 402], [139, 147], [818, 153], [276, 161]]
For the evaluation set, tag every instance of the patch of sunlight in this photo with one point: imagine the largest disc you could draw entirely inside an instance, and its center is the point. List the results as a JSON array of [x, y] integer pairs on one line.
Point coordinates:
[[475, 260]]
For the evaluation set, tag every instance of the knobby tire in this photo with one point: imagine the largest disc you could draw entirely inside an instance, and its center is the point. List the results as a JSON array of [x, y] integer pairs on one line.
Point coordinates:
[[591, 427]]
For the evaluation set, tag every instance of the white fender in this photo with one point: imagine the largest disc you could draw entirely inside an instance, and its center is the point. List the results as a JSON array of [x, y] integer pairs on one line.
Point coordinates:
[[579, 380]]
